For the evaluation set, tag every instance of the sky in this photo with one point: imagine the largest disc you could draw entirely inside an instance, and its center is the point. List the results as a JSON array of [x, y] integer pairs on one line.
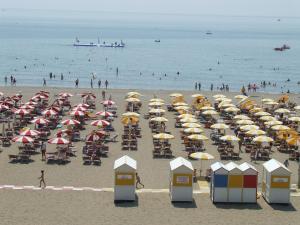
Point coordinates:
[[201, 7]]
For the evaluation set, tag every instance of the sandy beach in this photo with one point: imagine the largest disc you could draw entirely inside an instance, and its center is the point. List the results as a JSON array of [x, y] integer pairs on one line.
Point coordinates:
[[51, 207]]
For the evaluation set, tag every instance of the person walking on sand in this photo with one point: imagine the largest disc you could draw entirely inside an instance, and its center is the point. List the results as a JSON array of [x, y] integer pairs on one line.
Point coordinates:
[[196, 85], [199, 86], [103, 95], [44, 82], [43, 150], [91, 83], [106, 84], [286, 163], [76, 83], [138, 181], [42, 179], [99, 83]]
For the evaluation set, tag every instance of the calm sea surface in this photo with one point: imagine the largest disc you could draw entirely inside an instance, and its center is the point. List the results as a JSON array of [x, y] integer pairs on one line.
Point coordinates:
[[42, 42]]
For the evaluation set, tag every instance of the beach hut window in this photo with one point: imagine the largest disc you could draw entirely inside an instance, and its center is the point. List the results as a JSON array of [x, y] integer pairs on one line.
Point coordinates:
[[235, 181], [182, 180], [250, 181], [220, 181]]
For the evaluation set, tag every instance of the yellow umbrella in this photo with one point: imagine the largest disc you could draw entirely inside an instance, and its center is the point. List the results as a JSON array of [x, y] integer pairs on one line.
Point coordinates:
[[210, 112], [157, 111], [225, 105], [295, 141], [297, 107], [263, 139], [294, 119], [156, 103], [229, 138], [280, 127], [249, 127], [188, 120], [223, 100], [197, 96], [131, 114], [256, 109], [180, 104], [191, 125], [207, 108], [241, 117], [134, 93], [129, 120], [219, 96], [232, 109], [159, 119], [282, 110], [201, 156], [156, 100], [186, 115], [267, 118], [273, 122], [182, 107], [164, 136], [244, 122], [255, 132], [219, 126], [197, 137], [176, 95], [193, 130], [262, 113], [132, 100]]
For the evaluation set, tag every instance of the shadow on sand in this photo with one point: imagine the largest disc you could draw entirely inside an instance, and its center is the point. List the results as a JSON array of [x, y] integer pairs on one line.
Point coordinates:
[[250, 206], [284, 207], [128, 204], [185, 205]]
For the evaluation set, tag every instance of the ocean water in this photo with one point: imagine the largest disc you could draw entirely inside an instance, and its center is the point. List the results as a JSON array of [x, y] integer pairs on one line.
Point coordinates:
[[243, 46]]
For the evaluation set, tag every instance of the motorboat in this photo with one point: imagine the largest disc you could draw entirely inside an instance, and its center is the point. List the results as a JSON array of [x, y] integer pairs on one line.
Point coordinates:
[[98, 44]]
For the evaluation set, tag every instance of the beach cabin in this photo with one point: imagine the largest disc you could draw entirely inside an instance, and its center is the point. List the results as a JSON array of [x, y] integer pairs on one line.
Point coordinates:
[[250, 175], [181, 180], [219, 182], [125, 169], [235, 182], [276, 182]]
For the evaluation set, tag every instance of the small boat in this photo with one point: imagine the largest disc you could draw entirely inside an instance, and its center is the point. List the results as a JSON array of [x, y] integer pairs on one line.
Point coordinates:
[[282, 48], [208, 33], [157, 40], [104, 44]]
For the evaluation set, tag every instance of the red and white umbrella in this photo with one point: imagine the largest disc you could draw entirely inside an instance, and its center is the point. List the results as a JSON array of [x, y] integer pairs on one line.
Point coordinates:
[[21, 112], [3, 107], [23, 139], [92, 137], [88, 95], [62, 133], [77, 113], [65, 94], [49, 112], [108, 102], [58, 141], [40, 121], [104, 113], [70, 122], [30, 103], [31, 133], [100, 123], [26, 107], [55, 108], [82, 105], [79, 108]]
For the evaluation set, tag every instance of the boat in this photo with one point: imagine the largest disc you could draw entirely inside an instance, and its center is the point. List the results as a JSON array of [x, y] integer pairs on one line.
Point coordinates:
[[98, 44], [282, 48], [157, 40], [208, 33]]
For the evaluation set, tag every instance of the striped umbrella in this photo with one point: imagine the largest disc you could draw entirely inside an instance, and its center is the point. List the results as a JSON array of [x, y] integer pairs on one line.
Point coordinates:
[[58, 141], [82, 105], [21, 112], [100, 123], [23, 139], [244, 122], [92, 137], [164, 136], [104, 114], [65, 94], [219, 126], [263, 139], [30, 133], [49, 112], [294, 119], [3, 107], [249, 127], [79, 108], [255, 132], [229, 138], [77, 113], [191, 125], [40, 121], [70, 122], [26, 107], [188, 120], [273, 123], [280, 127], [159, 119], [193, 130], [241, 117], [198, 137], [108, 102]]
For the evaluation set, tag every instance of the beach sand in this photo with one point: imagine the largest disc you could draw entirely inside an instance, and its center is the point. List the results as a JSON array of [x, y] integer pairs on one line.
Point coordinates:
[[50, 207]]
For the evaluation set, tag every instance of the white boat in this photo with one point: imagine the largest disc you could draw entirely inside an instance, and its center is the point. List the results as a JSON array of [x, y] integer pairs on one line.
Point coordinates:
[[104, 44]]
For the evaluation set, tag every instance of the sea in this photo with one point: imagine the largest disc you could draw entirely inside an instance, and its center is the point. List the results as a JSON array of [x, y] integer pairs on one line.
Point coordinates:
[[207, 49]]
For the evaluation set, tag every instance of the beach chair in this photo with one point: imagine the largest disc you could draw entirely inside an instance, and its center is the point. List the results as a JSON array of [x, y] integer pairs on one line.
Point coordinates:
[[96, 160], [13, 158]]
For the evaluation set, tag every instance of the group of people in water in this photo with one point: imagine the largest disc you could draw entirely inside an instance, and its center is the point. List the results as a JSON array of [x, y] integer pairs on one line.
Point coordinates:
[[13, 80]]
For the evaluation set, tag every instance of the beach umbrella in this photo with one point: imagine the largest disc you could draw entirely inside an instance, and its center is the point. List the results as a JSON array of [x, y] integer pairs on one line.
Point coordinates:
[[262, 113], [182, 107], [100, 123], [240, 96], [224, 100], [65, 94], [270, 103], [92, 137], [255, 132], [193, 130], [104, 114], [267, 118], [156, 100], [201, 156], [186, 115], [249, 127], [130, 120], [188, 120], [210, 112], [180, 104], [219, 126], [282, 110], [132, 100], [241, 117], [197, 96], [58, 141], [108, 102], [3, 107], [297, 107], [23, 139], [285, 134], [191, 125], [207, 108], [1, 93], [159, 119], [70, 122], [163, 136], [295, 141], [77, 113], [30, 133], [232, 109], [229, 138], [156, 104], [256, 109], [40, 120], [273, 122], [21, 112], [132, 93], [157, 111], [49, 112], [82, 105], [244, 122], [197, 137], [280, 127], [65, 132], [267, 100], [88, 95], [295, 119], [263, 139], [226, 105], [131, 114], [175, 95], [219, 96], [26, 107], [79, 108]]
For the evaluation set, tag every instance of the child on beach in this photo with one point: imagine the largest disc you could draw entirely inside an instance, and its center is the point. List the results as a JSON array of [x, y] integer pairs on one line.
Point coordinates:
[[138, 181], [42, 179]]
